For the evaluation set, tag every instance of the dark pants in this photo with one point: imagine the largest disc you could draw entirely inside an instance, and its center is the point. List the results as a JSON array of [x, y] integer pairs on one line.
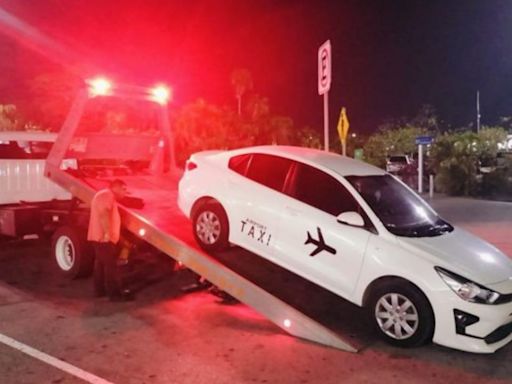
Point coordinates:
[[107, 279]]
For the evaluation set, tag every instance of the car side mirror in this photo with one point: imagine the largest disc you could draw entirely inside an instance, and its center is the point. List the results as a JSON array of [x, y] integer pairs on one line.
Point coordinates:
[[351, 218]]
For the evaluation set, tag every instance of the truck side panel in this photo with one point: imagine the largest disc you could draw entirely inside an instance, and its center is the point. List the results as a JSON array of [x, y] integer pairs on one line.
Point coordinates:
[[24, 180]]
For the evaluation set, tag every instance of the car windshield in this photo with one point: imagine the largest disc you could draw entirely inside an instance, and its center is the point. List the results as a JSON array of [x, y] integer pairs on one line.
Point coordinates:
[[401, 211]]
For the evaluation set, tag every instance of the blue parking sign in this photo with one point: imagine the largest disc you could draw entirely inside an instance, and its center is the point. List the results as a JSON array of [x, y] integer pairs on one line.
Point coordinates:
[[424, 140]]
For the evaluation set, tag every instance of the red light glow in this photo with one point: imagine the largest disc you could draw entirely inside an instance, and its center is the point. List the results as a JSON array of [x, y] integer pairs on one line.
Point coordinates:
[[99, 86], [160, 94]]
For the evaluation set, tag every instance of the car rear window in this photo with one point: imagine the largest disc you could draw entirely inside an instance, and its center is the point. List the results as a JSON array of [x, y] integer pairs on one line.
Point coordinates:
[[239, 163]]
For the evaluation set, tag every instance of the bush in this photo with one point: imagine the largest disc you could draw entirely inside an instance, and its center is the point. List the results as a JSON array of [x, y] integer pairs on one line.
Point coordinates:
[[455, 157], [457, 177], [494, 184], [498, 184], [388, 142]]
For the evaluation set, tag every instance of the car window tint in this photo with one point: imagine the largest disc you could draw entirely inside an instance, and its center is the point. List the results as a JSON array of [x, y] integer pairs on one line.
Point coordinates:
[[320, 190], [269, 170], [239, 163]]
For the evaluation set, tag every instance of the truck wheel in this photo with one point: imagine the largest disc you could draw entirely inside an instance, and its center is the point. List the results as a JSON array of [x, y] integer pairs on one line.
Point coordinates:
[[211, 227], [73, 256]]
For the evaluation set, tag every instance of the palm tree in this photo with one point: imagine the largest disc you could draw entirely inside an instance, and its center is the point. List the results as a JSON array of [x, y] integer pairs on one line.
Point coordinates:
[[282, 130], [9, 118], [241, 79]]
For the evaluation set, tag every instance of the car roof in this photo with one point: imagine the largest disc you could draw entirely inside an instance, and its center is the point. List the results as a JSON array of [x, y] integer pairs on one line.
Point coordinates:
[[27, 136], [342, 165]]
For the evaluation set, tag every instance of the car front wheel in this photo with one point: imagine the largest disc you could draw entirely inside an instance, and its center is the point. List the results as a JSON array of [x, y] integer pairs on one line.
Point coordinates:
[[211, 228], [401, 314]]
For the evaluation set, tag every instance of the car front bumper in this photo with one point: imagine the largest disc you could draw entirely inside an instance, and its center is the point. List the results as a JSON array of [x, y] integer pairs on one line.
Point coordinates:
[[471, 327]]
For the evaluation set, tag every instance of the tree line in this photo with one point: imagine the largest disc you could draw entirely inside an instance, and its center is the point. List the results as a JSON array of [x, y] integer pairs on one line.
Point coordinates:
[[455, 156]]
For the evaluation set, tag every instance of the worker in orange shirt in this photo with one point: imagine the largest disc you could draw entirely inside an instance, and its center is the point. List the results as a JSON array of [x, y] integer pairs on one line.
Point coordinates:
[[104, 232]]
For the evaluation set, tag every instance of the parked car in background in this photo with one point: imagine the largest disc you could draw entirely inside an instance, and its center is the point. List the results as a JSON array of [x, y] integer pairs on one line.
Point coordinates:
[[359, 232], [397, 163]]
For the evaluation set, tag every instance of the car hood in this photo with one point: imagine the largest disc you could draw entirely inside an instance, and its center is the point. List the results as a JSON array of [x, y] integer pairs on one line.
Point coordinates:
[[464, 254]]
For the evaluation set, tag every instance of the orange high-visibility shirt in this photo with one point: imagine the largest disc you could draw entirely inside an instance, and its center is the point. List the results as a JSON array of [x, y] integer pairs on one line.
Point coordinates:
[[104, 200]]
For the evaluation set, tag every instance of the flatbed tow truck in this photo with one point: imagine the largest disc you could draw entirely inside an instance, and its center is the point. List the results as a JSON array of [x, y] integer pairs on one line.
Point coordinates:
[[159, 223]]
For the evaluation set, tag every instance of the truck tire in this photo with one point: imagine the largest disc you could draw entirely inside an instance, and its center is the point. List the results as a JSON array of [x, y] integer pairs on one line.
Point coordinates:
[[72, 255]]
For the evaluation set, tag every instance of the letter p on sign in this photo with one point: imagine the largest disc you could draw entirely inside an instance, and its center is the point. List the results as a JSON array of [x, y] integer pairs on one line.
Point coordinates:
[[324, 67]]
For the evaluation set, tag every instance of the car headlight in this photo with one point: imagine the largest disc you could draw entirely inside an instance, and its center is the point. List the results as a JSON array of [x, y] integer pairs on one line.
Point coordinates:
[[467, 289]]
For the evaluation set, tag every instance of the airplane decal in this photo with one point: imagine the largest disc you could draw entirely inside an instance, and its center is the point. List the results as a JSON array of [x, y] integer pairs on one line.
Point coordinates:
[[320, 244]]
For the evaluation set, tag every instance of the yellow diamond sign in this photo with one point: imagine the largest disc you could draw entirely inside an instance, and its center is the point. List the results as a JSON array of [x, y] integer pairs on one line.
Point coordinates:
[[343, 125]]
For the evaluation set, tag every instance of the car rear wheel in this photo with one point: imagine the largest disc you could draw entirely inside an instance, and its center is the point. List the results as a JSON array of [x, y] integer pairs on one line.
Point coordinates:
[[211, 228], [401, 314]]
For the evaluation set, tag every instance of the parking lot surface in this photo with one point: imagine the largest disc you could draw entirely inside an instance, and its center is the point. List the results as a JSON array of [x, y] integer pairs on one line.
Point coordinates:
[[166, 336]]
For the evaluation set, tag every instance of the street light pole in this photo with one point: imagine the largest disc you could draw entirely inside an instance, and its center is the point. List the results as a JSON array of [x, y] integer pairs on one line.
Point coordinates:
[[478, 112]]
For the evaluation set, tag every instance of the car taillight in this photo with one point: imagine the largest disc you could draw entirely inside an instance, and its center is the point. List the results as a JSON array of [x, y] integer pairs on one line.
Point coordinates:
[[191, 165]]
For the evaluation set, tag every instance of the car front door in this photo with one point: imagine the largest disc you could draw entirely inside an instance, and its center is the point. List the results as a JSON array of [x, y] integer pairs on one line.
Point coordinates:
[[311, 240], [256, 183]]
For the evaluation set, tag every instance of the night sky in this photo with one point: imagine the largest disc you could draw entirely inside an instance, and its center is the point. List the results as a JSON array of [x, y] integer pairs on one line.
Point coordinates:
[[390, 57]]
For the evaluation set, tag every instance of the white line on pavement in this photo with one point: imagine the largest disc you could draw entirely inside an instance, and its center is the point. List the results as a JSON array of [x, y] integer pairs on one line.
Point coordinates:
[[57, 363]]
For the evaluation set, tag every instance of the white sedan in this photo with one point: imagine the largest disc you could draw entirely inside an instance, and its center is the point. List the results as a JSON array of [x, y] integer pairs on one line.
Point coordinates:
[[359, 232]]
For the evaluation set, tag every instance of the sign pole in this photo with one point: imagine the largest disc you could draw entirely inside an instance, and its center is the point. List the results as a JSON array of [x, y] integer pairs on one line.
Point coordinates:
[[420, 168], [326, 121], [420, 142]]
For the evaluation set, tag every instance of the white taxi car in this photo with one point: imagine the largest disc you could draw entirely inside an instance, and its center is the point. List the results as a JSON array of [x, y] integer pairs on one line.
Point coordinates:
[[359, 232]]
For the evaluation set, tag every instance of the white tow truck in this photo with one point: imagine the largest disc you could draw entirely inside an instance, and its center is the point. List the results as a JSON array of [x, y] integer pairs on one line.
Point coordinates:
[[33, 206], [80, 162]]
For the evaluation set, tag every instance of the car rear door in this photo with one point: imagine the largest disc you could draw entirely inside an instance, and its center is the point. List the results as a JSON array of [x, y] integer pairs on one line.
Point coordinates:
[[256, 200], [312, 242]]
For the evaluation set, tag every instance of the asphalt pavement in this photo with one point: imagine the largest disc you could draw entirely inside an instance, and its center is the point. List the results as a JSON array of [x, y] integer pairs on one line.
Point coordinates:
[[166, 336]]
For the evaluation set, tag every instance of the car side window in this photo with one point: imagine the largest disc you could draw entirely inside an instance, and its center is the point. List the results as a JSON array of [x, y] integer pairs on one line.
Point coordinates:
[[320, 190], [269, 170], [239, 163]]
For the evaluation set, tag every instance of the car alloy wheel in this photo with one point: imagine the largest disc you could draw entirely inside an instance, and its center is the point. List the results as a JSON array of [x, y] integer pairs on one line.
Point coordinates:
[[208, 227], [396, 316], [401, 313]]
